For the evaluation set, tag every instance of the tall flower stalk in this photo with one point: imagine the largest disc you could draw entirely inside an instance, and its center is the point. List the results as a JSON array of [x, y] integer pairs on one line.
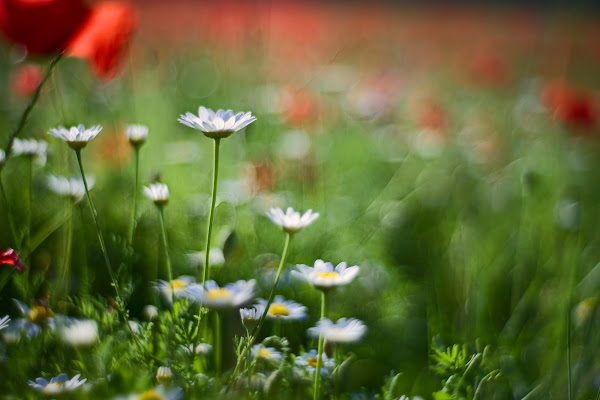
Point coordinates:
[[165, 243], [99, 231], [159, 194], [317, 385], [135, 194], [137, 135], [324, 277], [77, 137], [211, 215], [290, 222], [248, 346], [215, 125]]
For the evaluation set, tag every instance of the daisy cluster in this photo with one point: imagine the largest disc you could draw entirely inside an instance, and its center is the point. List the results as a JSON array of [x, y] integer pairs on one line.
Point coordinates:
[[178, 294]]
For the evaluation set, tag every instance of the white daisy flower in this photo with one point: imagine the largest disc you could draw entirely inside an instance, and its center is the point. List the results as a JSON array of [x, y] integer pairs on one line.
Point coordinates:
[[158, 393], [308, 362], [4, 322], [291, 221], [232, 295], [30, 147], [174, 289], [266, 353], [135, 327], [57, 385], [199, 348], [216, 258], [2, 157], [345, 330], [69, 187], [33, 319], [251, 316], [217, 125], [324, 276], [282, 309], [137, 134], [158, 193], [76, 137], [80, 333], [164, 375], [150, 312]]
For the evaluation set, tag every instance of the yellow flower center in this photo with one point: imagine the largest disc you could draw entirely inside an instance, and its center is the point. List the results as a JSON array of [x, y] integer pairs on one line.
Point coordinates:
[[52, 388], [327, 275], [219, 294], [264, 353], [149, 395], [312, 361], [279, 310], [39, 314], [178, 284]]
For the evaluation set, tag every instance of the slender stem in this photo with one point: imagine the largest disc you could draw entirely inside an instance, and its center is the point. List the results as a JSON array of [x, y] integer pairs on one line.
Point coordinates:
[[32, 103], [317, 387], [85, 274], [284, 255], [571, 283], [11, 222], [120, 303], [64, 279], [29, 207], [250, 372], [163, 228], [206, 274], [217, 342], [135, 193], [99, 231], [569, 380]]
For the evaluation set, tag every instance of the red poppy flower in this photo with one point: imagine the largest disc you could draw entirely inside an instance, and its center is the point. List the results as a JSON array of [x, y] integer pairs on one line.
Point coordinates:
[[432, 115], [104, 36], [42, 26], [10, 257], [571, 106], [98, 35]]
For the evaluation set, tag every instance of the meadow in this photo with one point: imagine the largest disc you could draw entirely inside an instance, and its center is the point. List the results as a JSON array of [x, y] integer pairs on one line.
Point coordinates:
[[451, 155]]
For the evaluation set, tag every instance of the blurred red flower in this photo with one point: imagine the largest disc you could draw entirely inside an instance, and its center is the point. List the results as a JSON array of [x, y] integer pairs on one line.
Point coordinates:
[[42, 26], [98, 34], [432, 115], [10, 257], [572, 106], [26, 79], [104, 36], [298, 105]]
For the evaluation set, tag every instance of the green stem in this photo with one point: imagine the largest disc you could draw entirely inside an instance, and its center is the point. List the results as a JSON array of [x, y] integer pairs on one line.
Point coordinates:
[[100, 237], [569, 381], [32, 103], [29, 207], [119, 300], [11, 222], [135, 194], [211, 215], [250, 372], [284, 255], [317, 387], [64, 279], [85, 274], [218, 345], [163, 228]]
